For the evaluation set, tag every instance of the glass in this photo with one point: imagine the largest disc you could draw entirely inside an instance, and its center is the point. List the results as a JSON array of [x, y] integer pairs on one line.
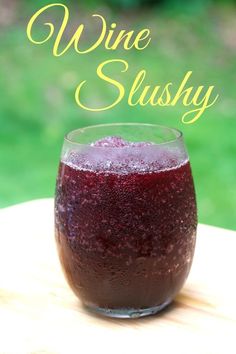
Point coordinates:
[[125, 217]]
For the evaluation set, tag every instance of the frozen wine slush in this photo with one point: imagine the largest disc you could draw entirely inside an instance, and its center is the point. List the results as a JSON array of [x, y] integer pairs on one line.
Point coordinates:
[[125, 224]]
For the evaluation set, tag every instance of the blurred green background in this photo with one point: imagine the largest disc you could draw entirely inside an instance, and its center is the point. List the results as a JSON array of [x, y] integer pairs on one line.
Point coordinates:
[[37, 103]]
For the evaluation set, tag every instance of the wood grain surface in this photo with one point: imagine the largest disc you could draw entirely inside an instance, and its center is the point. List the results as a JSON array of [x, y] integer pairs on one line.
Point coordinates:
[[39, 313]]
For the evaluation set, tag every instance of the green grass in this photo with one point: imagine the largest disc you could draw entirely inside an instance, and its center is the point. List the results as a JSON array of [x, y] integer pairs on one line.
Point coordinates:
[[37, 104]]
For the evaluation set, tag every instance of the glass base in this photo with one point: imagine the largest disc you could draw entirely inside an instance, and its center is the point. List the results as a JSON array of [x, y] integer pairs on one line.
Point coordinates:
[[128, 312]]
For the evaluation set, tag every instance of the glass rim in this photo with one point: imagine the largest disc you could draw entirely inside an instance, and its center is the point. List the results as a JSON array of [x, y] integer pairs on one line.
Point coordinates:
[[178, 134]]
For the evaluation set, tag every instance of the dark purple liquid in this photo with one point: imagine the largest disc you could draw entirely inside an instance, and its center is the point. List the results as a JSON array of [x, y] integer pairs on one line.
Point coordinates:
[[126, 240]]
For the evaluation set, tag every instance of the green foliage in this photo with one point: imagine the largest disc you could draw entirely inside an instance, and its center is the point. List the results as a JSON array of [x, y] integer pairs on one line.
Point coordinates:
[[37, 106], [176, 4], [128, 3]]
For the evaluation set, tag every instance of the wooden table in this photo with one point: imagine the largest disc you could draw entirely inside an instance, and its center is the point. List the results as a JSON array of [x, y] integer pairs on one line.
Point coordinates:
[[39, 313]]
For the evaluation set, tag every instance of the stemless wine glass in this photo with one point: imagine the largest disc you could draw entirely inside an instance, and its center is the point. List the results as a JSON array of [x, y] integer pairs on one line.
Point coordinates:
[[125, 217]]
